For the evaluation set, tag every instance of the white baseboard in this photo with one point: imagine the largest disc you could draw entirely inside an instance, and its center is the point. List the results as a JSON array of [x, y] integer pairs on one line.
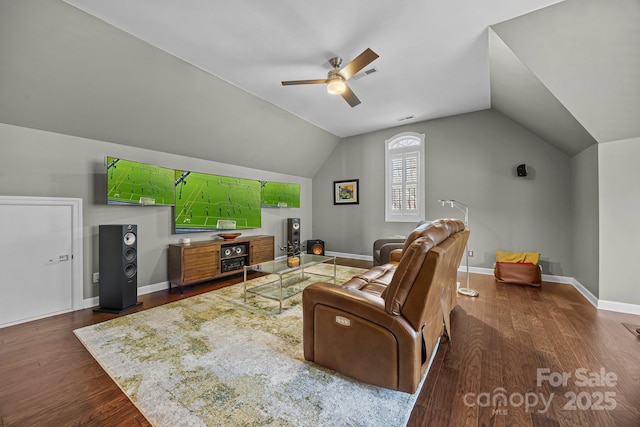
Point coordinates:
[[560, 279], [585, 292], [346, 255], [477, 270], [619, 307], [91, 302], [143, 290], [162, 286], [546, 277]]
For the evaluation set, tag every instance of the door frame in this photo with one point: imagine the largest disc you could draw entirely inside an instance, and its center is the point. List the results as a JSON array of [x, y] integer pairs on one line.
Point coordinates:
[[77, 287]]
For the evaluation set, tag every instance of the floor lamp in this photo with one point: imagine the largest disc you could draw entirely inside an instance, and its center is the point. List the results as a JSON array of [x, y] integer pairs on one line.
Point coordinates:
[[464, 209]]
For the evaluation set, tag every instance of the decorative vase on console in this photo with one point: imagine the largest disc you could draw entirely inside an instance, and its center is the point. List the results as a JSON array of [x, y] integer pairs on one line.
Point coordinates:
[[293, 252]]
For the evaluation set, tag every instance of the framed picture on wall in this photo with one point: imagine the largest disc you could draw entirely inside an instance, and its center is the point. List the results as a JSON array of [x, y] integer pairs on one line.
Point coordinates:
[[346, 192]]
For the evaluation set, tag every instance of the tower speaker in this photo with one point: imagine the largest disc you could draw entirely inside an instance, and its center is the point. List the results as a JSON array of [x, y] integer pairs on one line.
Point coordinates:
[[315, 247], [293, 232], [521, 170], [118, 257]]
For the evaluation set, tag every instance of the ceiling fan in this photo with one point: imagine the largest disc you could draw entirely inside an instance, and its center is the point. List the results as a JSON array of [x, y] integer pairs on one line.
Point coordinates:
[[336, 79]]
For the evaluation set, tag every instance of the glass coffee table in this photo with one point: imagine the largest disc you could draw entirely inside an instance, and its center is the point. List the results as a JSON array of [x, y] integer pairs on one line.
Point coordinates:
[[289, 280]]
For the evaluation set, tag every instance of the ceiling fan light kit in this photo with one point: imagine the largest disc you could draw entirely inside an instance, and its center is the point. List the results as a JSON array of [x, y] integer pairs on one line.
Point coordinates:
[[335, 83], [336, 80]]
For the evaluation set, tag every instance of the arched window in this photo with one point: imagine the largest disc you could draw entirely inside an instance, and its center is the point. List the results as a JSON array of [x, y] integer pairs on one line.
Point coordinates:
[[404, 178]]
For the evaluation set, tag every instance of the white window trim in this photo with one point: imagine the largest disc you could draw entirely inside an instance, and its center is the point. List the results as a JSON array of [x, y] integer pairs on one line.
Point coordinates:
[[419, 212]]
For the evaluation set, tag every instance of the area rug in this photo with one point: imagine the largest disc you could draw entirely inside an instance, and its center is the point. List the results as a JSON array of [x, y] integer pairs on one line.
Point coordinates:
[[216, 360]]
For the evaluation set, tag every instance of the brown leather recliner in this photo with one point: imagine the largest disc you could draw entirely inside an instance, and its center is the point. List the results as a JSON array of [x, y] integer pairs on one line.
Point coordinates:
[[381, 327], [455, 244]]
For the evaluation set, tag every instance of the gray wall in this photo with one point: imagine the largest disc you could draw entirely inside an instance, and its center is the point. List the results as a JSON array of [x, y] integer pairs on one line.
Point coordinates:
[[40, 163], [64, 71], [585, 248], [68, 73], [470, 158], [92, 87]]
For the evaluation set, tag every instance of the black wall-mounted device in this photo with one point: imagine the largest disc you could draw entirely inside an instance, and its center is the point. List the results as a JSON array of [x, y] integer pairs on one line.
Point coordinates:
[[521, 170]]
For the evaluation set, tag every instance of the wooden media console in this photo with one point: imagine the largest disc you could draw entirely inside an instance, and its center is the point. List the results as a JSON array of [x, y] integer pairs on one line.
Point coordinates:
[[197, 262]]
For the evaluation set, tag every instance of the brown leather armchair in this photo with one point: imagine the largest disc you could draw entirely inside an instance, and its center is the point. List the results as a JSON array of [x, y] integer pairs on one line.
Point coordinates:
[[381, 327], [382, 248]]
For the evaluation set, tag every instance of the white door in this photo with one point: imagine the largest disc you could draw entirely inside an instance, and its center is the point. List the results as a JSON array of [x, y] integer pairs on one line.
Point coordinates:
[[36, 276]]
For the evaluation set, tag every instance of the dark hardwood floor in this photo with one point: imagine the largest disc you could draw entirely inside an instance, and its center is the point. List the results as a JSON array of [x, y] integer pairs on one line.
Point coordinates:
[[500, 341], [575, 365]]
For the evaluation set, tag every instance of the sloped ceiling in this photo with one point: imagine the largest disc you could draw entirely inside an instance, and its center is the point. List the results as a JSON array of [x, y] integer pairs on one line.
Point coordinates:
[[519, 95], [583, 53], [567, 71], [64, 71], [433, 54]]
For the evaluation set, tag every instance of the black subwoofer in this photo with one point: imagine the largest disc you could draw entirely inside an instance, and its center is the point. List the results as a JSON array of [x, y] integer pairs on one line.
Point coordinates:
[[315, 247], [118, 258]]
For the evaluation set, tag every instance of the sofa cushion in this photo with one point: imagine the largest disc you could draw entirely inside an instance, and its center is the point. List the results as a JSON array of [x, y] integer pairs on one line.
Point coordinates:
[[436, 231], [415, 233], [405, 275], [373, 281], [413, 259], [452, 225], [372, 287], [375, 272]]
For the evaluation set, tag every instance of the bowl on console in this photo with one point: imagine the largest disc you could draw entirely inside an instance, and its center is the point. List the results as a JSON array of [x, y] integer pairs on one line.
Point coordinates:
[[229, 236]]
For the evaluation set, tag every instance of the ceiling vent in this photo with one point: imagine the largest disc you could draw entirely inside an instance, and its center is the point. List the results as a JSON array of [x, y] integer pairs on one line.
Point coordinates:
[[365, 73]]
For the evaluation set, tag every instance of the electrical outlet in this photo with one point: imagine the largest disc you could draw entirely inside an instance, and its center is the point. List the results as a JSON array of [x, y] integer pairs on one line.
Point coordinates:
[[470, 253], [96, 277]]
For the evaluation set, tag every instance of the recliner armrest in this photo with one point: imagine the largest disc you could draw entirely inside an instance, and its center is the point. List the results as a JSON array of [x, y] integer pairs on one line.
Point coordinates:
[[395, 255], [359, 303], [352, 301], [349, 331]]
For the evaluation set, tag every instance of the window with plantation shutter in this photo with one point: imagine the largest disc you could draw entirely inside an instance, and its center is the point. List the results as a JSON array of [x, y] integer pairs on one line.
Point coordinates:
[[404, 154]]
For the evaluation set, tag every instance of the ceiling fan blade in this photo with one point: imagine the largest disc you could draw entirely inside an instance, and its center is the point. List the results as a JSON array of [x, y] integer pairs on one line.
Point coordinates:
[[350, 97], [361, 61], [304, 82]]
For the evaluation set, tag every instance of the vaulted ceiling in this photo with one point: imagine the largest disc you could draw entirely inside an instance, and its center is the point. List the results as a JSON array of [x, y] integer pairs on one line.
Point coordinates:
[[543, 62], [566, 70], [434, 56], [570, 72]]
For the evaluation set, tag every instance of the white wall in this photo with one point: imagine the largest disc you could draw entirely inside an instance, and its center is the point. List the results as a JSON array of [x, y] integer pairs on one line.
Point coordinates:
[[619, 213], [39, 163]]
